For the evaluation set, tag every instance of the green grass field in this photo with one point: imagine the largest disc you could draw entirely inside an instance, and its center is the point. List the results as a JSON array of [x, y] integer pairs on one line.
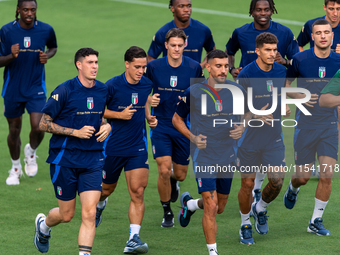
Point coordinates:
[[111, 27]]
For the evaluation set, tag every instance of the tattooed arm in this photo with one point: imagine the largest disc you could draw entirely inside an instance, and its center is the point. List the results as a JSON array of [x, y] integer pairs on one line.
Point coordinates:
[[47, 125]]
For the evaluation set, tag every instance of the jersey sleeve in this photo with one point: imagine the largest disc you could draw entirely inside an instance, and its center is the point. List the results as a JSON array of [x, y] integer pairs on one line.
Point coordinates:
[[56, 102], [157, 45], [199, 72], [242, 80], [293, 46], [304, 36], [333, 86], [293, 70], [52, 40], [183, 108], [233, 44], [209, 43], [3, 49]]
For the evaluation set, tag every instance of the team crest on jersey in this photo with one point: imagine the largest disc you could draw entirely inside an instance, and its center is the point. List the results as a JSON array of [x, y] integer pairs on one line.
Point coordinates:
[[27, 42], [218, 106], [199, 182], [186, 42], [59, 190], [270, 86], [104, 174], [238, 162], [173, 81], [90, 103], [153, 149], [322, 72], [134, 98]]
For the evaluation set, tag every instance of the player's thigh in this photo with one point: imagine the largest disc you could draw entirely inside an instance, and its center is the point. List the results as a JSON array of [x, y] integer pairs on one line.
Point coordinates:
[[161, 144], [180, 149], [327, 150], [65, 182], [89, 200], [13, 109], [137, 173], [112, 169], [327, 166], [67, 208]]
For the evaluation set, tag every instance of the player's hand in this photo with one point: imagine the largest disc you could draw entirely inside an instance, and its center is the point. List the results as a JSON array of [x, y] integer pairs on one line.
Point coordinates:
[[235, 72], [103, 132], [180, 99], [200, 141], [42, 57], [152, 121], [237, 132], [154, 100], [264, 118], [127, 113], [279, 59], [15, 50], [337, 49], [85, 132], [288, 111], [313, 100]]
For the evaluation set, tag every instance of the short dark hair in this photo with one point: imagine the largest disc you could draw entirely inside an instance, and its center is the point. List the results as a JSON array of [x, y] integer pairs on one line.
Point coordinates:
[[171, 3], [175, 32], [19, 5], [134, 52], [321, 22], [82, 53], [335, 1], [216, 54], [266, 37], [253, 4]]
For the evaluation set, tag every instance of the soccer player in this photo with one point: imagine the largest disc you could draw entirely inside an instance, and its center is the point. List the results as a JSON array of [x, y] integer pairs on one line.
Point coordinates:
[[210, 146], [126, 148], [171, 76], [74, 115], [332, 9], [261, 143], [22, 52], [315, 133], [198, 35], [244, 38]]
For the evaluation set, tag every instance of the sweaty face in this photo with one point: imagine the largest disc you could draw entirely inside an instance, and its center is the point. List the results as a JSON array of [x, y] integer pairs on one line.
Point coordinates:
[[135, 69], [175, 47], [262, 13], [322, 36], [27, 11], [267, 53], [218, 69], [88, 67], [332, 11], [181, 10]]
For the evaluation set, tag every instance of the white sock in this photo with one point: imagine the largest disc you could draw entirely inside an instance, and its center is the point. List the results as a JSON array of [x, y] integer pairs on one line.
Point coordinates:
[[292, 188], [245, 219], [261, 206], [259, 180], [44, 228], [319, 208], [134, 229], [102, 204], [212, 249], [84, 253], [16, 163], [193, 205], [32, 151]]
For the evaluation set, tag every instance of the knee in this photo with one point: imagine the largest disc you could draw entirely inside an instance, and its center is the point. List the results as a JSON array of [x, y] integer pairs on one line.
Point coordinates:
[[180, 175], [247, 184], [137, 194], [164, 172], [303, 181], [89, 214], [211, 208], [220, 209], [327, 180], [107, 191], [36, 130], [67, 217], [276, 183]]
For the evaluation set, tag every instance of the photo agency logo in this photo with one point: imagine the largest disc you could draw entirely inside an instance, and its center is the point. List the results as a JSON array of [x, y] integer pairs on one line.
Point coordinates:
[[239, 103]]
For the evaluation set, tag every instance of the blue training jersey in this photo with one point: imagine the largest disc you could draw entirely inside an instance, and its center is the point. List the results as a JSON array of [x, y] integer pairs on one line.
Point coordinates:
[[170, 82], [74, 106], [262, 83], [313, 74], [244, 38], [305, 34], [199, 37], [221, 148], [24, 77], [128, 137]]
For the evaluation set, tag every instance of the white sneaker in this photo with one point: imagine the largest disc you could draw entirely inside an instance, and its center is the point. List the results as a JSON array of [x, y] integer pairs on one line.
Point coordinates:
[[31, 166], [14, 176]]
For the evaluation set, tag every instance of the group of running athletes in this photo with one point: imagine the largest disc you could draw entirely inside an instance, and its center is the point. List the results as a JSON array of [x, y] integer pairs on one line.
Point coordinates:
[[87, 154]]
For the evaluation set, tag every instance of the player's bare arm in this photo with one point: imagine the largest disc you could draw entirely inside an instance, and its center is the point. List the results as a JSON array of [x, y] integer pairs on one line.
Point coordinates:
[[5, 60], [329, 100], [44, 56], [281, 60], [154, 100], [126, 114], [238, 130], [47, 125], [295, 95], [104, 131], [152, 121]]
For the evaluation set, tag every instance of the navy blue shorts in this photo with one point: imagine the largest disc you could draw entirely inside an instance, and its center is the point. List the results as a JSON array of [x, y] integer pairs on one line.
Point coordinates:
[[214, 177], [308, 142], [16, 109], [114, 165], [173, 144], [248, 161], [67, 181]]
